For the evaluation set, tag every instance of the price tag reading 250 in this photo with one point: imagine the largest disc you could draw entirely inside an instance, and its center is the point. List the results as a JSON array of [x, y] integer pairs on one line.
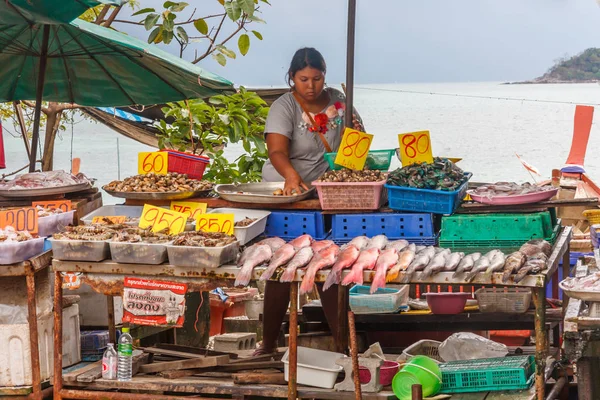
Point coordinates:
[[353, 149], [215, 223], [156, 162], [415, 148], [160, 219]]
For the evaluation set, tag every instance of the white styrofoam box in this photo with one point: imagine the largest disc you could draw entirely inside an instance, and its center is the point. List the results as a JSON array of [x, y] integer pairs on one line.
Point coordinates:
[[93, 309], [15, 357], [47, 226], [315, 367], [113, 211], [71, 337], [11, 253], [13, 294], [247, 233]]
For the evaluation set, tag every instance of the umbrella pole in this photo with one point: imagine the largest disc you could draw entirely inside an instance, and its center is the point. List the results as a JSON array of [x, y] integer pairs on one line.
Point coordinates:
[[350, 64], [38, 98]]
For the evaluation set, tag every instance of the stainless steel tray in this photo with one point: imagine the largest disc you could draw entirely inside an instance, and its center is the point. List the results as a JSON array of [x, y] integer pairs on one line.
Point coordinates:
[[260, 192], [158, 195], [580, 294], [24, 193]]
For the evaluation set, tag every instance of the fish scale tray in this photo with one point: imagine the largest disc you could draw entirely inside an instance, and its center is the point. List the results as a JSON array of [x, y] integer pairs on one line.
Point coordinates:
[[393, 225], [488, 374]]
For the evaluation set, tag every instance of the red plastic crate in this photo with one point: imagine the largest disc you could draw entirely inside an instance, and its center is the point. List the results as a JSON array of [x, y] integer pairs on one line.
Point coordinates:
[[184, 163]]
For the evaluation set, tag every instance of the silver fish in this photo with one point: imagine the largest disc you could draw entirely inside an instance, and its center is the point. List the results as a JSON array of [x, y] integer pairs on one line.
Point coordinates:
[[481, 265], [301, 259], [419, 263], [496, 264], [378, 241], [436, 264], [465, 265], [360, 242], [452, 261], [398, 245]]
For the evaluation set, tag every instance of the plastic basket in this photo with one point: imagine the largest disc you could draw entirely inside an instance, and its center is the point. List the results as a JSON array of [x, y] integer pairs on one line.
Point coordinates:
[[189, 164], [429, 348], [291, 224], [503, 300], [488, 374], [593, 216], [426, 200], [351, 195], [376, 159], [383, 301], [93, 341], [393, 225]]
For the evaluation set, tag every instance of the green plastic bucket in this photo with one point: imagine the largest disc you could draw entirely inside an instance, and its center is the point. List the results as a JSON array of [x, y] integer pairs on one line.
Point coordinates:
[[420, 370]]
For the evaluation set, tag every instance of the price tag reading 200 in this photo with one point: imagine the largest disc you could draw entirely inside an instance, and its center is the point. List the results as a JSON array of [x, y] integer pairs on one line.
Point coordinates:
[[215, 223], [160, 219], [354, 149], [415, 148], [22, 219]]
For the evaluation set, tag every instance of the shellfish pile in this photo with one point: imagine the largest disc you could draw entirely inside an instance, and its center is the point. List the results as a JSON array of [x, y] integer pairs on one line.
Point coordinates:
[[154, 183], [138, 235], [204, 239], [91, 233], [348, 175], [11, 235], [442, 174]]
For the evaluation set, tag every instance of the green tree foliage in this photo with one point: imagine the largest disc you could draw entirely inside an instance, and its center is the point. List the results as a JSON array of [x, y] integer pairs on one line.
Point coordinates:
[[582, 67]]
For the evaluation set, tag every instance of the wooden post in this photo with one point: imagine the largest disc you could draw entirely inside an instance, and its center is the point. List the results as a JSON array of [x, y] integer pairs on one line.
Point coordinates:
[[417, 392], [38, 97], [341, 341], [354, 355], [58, 297], [541, 341], [348, 117], [33, 334], [112, 333], [293, 343]]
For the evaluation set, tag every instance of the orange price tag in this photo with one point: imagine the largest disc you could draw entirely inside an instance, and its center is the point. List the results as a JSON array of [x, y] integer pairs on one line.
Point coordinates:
[[215, 223], [160, 219], [415, 148], [190, 208], [22, 219], [64, 205], [157, 162], [109, 220], [354, 149]]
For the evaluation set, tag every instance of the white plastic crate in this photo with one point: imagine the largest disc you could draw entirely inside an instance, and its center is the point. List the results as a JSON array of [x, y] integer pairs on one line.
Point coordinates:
[[429, 348], [11, 253], [80, 250], [384, 300], [113, 211], [71, 336], [47, 226], [246, 233], [315, 367], [503, 300]]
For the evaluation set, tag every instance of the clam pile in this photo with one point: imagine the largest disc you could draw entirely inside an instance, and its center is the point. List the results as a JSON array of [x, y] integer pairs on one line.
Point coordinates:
[[154, 183], [204, 239], [348, 175]]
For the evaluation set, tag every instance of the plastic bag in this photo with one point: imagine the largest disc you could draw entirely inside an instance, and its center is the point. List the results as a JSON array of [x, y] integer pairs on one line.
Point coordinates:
[[469, 346]]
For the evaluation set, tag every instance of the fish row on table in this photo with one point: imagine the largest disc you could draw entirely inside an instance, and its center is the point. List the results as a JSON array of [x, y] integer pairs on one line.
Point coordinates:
[[387, 258]]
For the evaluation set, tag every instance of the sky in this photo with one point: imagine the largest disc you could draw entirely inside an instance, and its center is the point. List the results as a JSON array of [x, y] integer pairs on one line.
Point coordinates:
[[399, 41]]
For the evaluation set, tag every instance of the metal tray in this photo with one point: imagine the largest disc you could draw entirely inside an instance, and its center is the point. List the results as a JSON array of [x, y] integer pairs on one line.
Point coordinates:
[[24, 193], [158, 195], [580, 294], [261, 193]]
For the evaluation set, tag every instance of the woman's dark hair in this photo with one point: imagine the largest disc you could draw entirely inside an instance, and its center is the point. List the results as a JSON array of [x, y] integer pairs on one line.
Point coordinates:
[[306, 57]]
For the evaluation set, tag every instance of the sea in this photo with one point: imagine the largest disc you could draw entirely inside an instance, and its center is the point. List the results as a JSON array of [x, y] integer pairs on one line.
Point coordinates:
[[484, 123]]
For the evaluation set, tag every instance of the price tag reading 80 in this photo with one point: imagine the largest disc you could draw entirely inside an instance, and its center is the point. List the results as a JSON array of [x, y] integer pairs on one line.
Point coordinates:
[[215, 223], [415, 148], [353, 149], [160, 219], [156, 162]]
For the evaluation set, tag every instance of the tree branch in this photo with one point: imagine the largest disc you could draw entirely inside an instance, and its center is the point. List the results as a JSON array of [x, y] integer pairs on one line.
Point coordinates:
[[112, 17], [190, 21], [100, 17], [210, 48], [31, 104]]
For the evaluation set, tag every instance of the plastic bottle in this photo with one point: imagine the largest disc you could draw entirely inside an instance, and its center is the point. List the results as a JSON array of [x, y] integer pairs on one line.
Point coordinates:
[[125, 353], [109, 363]]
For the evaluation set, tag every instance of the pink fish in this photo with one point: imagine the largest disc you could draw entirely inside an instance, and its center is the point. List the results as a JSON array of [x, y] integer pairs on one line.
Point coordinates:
[[274, 243], [302, 257], [284, 254], [259, 254], [366, 260], [387, 259], [302, 241], [321, 245], [346, 258], [326, 258]]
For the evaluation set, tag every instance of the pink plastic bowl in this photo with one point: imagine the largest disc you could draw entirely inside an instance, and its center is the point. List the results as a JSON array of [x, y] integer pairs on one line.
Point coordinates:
[[386, 373], [447, 303]]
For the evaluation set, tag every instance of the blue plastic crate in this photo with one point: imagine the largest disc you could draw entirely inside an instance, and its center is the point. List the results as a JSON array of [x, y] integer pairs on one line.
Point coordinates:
[[419, 241], [393, 225], [291, 224], [426, 200], [574, 256]]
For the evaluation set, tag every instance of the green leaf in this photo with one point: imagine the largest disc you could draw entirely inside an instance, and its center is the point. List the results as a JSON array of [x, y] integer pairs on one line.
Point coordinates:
[[154, 34], [151, 21], [143, 11], [233, 10], [167, 36], [244, 44], [229, 53], [168, 4], [168, 24], [182, 34], [179, 7], [258, 35], [247, 6], [220, 59], [254, 18], [201, 26]]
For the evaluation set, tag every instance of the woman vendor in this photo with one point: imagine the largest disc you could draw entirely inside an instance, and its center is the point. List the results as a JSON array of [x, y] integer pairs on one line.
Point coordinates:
[[301, 127]]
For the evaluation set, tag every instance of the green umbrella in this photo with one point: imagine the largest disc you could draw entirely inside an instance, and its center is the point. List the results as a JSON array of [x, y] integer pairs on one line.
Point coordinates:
[[90, 65], [47, 11]]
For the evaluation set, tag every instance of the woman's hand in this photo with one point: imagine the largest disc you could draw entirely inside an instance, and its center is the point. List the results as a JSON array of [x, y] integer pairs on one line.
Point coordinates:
[[357, 125], [294, 185]]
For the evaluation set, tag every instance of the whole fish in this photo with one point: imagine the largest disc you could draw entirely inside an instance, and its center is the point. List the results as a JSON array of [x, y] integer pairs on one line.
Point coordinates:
[[439, 250], [420, 248], [260, 254], [491, 254], [496, 264], [535, 246], [530, 267], [301, 259], [378, 242], [360, 242], [436, 264], [326, 258], [284, 254], [513, 263], [387, 259], [366, 260], [404, 259], [274, 243], [345, 259], [429, 251], [302, 241], [465, 265], [321, 245], [453, 261], [419, 263], [480, 265], [476, 256], [399, 245]]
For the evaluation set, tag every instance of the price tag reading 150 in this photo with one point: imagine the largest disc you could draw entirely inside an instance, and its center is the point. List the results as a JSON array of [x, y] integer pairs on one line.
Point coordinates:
[[160, 219], [354, 149], [156, 162], [415, 148], [215, 223]]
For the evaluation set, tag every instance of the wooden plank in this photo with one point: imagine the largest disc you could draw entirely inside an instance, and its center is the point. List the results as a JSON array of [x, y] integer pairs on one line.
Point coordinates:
[[73, 374], [259, 378], [311, 204], [226, 368], [512, 395], [185, 364], [91, 375], [194, 350], [171, 353], [267, 357], [470, 396]]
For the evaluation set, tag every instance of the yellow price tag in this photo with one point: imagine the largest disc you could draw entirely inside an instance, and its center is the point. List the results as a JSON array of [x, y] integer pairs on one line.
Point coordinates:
[[191, 208], [159, 219], [109, 220], [157, 162], [415, 148], [354, 149], [215, 223]]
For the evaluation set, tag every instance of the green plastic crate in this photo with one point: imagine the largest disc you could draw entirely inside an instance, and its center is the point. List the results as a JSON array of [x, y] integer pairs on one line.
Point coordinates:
[[488, 374], [376, 159]]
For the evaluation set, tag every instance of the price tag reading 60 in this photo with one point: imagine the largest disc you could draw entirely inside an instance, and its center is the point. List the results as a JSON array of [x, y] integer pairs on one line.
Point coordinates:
[[215, 223], [156, 162], [160, 219], [415, 148], [353, 149]]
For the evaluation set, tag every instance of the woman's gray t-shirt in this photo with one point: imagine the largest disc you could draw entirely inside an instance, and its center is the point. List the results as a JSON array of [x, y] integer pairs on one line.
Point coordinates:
[[305, 147]]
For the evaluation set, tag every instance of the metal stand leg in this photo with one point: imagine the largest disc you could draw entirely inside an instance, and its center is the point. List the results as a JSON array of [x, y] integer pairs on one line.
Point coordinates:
[[293, 343], [541, 341], [112, 334], [33, 335], [354, 355], [58, 297], [417, 392], [341, 340]]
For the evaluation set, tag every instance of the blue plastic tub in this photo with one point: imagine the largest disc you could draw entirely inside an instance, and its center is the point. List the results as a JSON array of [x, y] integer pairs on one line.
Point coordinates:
[[291, 224], [426, 200], [393, 225]]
